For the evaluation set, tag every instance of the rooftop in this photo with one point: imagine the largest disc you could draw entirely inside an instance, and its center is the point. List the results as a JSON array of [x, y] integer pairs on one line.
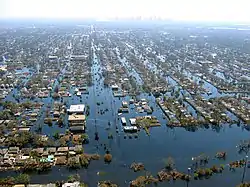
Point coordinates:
[[76, 117], [76, 108]]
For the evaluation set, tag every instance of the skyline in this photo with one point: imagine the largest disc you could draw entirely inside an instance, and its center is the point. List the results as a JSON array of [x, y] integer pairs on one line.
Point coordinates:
[[180, 10]]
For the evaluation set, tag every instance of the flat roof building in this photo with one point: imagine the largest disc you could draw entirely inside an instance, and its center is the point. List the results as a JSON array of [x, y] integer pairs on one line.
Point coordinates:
[[76, 109]]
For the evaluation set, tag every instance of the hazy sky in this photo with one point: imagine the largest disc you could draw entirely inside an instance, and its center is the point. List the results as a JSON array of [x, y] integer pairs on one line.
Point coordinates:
[[195, 10]]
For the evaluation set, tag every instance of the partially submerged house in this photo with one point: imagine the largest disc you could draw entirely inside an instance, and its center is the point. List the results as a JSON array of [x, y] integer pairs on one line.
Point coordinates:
[[77, 122]]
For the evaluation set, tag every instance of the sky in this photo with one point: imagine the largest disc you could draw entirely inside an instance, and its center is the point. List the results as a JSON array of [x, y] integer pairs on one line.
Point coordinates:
[[184, 10]]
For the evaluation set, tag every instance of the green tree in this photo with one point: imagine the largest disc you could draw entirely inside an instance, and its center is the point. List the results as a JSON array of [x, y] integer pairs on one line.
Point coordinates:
[[73, 178], [56, 136], [73, 163], [22, 179], [60, 121], [169, 163], [8, 181]]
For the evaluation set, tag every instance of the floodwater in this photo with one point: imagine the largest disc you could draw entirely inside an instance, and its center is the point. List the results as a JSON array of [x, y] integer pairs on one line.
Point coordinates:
[[162, 142]]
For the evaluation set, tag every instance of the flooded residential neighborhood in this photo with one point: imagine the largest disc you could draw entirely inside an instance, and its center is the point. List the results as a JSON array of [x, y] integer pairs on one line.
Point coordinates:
[[133, 105]]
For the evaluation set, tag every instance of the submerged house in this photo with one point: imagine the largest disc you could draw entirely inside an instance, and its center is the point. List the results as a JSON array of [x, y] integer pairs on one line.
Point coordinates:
[[13, 150], [114, 87], [77, 122], [51, 150], [77, 119]]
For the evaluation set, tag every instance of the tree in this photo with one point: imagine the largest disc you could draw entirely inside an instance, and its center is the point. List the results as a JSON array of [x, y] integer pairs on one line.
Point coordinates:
[[244, 185], [27, 105], [60, 121], [73, 163], [165, 98], [49, 121], [8, 181], [22, 179], [73, 178], [56, 136], [62, 142], [21, 139], [55, 95], [107, 158], [5, 115], [56, 90], [169, 163], [84, 160], [34, 154], [43, 166]]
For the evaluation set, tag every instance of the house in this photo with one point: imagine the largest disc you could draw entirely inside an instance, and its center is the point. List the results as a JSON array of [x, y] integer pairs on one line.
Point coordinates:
[[26, 151], [123, 110], [78, 148], [132, 121], [3, 151], [19, 162], [56, 113], [147, 109], [2, 139], [83, 88], [61, 160], [77, 128], [73, 184], [44, 138], [114, 87], [39, 150], [63, 149], [76, 137], [131, 101], [33, 115], [45, 153], [41, 185], [6, 163], [13, 150], [124, 104], [77, 120], [19, 185], [51, 150], [23, 129]]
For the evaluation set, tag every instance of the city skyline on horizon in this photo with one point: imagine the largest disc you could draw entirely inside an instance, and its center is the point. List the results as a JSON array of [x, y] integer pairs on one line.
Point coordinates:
[[179, 10]]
